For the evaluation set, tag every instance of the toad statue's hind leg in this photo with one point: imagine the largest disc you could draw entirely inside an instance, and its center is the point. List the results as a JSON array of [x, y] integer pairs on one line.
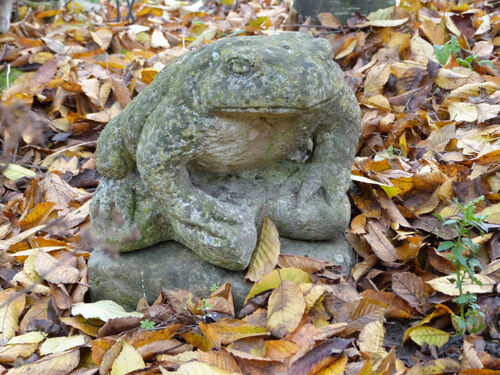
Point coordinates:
[[312, 203], [125, 217]]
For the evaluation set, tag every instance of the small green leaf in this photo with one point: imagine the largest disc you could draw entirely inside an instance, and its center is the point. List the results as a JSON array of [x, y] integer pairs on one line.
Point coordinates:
[[445, 246], [13, 75], [486, 62], [441, 55]]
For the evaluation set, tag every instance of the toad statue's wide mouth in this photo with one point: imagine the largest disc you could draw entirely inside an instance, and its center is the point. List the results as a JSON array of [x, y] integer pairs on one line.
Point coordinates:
[[271, 109]]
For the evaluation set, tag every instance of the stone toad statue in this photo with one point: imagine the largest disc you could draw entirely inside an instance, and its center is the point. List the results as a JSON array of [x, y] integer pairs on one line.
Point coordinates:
[[233, 131]]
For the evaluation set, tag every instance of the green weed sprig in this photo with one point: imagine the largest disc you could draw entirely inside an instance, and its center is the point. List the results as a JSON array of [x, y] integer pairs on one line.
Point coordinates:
[[444, 52], [462, 255]]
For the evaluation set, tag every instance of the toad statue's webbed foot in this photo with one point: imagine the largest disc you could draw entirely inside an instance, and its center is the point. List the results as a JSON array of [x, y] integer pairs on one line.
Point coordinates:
[[125, 217], [221, 233], [311, 203]]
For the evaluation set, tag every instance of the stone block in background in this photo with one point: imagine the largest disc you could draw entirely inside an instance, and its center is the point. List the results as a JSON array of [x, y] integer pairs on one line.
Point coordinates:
[[170, 265], [342, 9]]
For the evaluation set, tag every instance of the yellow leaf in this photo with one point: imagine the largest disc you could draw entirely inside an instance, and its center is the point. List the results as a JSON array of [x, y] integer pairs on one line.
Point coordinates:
[[55, 364], [198, 368], [279, 350], [60, 344], [429, 335], [439, 311], [492, 213], [272, 280], [265, 256], [377, 101], [376, 79], [230, 330], [347, 48], [444, 285], [421, 50], [451, 79], [14, 172], [9, 353], [384, 23], [472, 89], [371, 338], [440, 366], [33, 337], [128, 360], [37, 215], [312, 293], [462, 111], [286, 307], [146, 337], [87, 326], [12, 304], [335, 368]]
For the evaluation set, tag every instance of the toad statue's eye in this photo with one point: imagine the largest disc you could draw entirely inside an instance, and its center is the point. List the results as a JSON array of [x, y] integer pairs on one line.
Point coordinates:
[[240, 66]]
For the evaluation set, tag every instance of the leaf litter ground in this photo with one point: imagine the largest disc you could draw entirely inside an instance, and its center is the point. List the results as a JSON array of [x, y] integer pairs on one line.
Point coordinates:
[[430, 133]]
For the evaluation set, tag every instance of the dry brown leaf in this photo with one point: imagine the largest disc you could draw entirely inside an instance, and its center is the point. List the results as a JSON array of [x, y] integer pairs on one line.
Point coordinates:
[[309, 265], [397, 307], [102, 37], [54, 271], [411, 288], [221, 300], [381, 246]]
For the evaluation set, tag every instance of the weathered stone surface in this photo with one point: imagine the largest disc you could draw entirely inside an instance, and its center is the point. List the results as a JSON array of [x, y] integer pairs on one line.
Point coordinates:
[[171, 265], [343, 9], [226, 134]]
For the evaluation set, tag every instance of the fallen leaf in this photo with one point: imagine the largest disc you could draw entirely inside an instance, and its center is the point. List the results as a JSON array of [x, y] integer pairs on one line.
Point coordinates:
[[444, 285], [286, 307], [410, 287], [280, 350], [54, 271], [128, 360], [104, 310], [371, 338], [54, 364], [60, 344], [230, 330], [429, 335], [266, 253], [12, 304], [273, 279]]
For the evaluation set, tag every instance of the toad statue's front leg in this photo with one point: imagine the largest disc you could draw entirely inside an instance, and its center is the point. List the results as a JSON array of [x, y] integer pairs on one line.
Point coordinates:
[[221, 233]]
